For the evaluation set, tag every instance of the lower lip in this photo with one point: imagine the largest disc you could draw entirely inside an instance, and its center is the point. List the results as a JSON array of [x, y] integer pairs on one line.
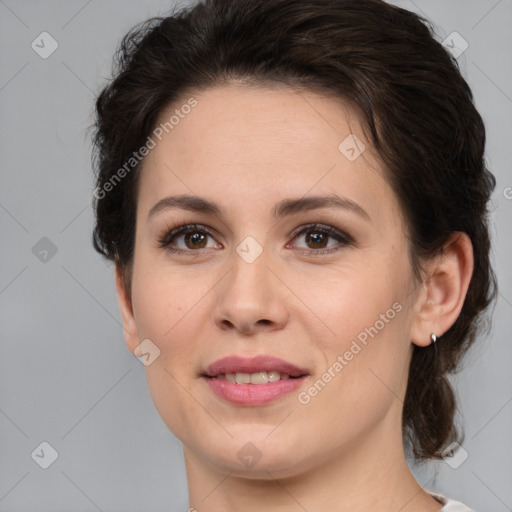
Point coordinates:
[[253, 394]]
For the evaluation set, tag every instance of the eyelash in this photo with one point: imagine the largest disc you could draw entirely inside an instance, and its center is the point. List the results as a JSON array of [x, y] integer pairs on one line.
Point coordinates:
[[345, 240]]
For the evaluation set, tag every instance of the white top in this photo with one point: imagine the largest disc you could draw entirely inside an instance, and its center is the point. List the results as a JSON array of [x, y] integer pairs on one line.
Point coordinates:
[[450, 505]]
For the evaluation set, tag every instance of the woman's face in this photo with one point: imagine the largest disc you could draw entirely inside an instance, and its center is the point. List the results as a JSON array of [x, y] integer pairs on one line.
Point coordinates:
[[258, 278]]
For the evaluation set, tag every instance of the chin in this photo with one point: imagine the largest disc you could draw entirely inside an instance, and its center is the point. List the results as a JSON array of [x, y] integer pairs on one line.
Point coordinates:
[[251, 455]]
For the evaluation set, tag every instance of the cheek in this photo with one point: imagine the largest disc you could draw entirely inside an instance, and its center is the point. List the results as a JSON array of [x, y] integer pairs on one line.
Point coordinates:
[[359, 300], [164, 301], [365, 350], [173, 308], [168, 310], [360, 383]]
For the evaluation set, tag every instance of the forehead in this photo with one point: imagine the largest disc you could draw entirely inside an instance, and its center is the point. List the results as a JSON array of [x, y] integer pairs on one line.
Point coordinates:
[[239, 120], [254, 146]]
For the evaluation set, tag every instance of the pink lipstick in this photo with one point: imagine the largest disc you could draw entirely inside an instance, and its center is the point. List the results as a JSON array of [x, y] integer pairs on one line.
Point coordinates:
[[253, 381]]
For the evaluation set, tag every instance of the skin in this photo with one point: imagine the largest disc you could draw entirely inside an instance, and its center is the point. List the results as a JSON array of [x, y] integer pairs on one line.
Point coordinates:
[[247, 148]]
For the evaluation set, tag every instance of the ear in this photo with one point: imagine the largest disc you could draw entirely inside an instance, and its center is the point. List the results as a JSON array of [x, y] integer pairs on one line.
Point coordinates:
[[130, 329], [442, 296]]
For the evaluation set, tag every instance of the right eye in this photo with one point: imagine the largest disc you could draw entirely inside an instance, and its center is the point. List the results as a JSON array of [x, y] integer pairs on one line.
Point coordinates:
[[193, 237]]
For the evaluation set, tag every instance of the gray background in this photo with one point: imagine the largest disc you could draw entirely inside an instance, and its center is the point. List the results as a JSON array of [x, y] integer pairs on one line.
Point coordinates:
[[66, 376]]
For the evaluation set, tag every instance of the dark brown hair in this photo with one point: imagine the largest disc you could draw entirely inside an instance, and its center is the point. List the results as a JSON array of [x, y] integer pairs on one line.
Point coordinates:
[[416, 109]]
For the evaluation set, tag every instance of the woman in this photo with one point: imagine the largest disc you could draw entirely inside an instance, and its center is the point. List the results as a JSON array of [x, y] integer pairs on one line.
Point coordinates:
[[295, 199]]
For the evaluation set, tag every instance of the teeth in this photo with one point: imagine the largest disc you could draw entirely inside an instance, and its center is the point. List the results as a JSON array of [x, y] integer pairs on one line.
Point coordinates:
[[243, 378], [253, 378]]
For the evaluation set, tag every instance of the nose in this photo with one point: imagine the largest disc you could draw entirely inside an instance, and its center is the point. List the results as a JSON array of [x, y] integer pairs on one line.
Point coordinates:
[[251, 298]]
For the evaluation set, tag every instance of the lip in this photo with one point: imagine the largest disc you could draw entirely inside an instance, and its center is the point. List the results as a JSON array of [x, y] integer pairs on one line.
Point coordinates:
[[253, 394], [237, 364]]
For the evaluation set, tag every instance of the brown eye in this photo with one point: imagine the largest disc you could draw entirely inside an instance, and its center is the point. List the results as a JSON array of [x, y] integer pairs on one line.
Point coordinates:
[[195, 240], [186, 239], [316, 239]]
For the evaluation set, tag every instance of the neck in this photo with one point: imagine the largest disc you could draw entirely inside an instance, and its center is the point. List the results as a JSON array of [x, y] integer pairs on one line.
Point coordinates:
[[373, 475]]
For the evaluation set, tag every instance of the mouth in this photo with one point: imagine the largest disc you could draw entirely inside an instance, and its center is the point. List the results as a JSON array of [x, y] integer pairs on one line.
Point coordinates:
[[260, 366], [258, 378], [253, 381]]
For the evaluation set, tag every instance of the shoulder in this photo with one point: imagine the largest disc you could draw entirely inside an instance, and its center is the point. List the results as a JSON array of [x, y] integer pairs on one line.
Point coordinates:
[[450, 505]]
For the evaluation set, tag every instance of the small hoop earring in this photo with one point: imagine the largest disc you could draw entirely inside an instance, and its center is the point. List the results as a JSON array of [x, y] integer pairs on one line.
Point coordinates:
[[433, 338]]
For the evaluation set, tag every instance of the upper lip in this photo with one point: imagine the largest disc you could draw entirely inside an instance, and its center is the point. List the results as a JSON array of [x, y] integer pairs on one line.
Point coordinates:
[[262, 363]]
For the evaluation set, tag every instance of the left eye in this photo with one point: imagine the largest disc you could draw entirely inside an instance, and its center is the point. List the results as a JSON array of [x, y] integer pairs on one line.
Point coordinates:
[[316, 238]]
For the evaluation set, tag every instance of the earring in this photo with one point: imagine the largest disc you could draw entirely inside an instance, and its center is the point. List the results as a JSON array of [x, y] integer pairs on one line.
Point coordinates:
[[433, 338]]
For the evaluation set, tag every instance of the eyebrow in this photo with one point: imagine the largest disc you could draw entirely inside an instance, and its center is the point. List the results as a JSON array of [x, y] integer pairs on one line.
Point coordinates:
[[282, 209]]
